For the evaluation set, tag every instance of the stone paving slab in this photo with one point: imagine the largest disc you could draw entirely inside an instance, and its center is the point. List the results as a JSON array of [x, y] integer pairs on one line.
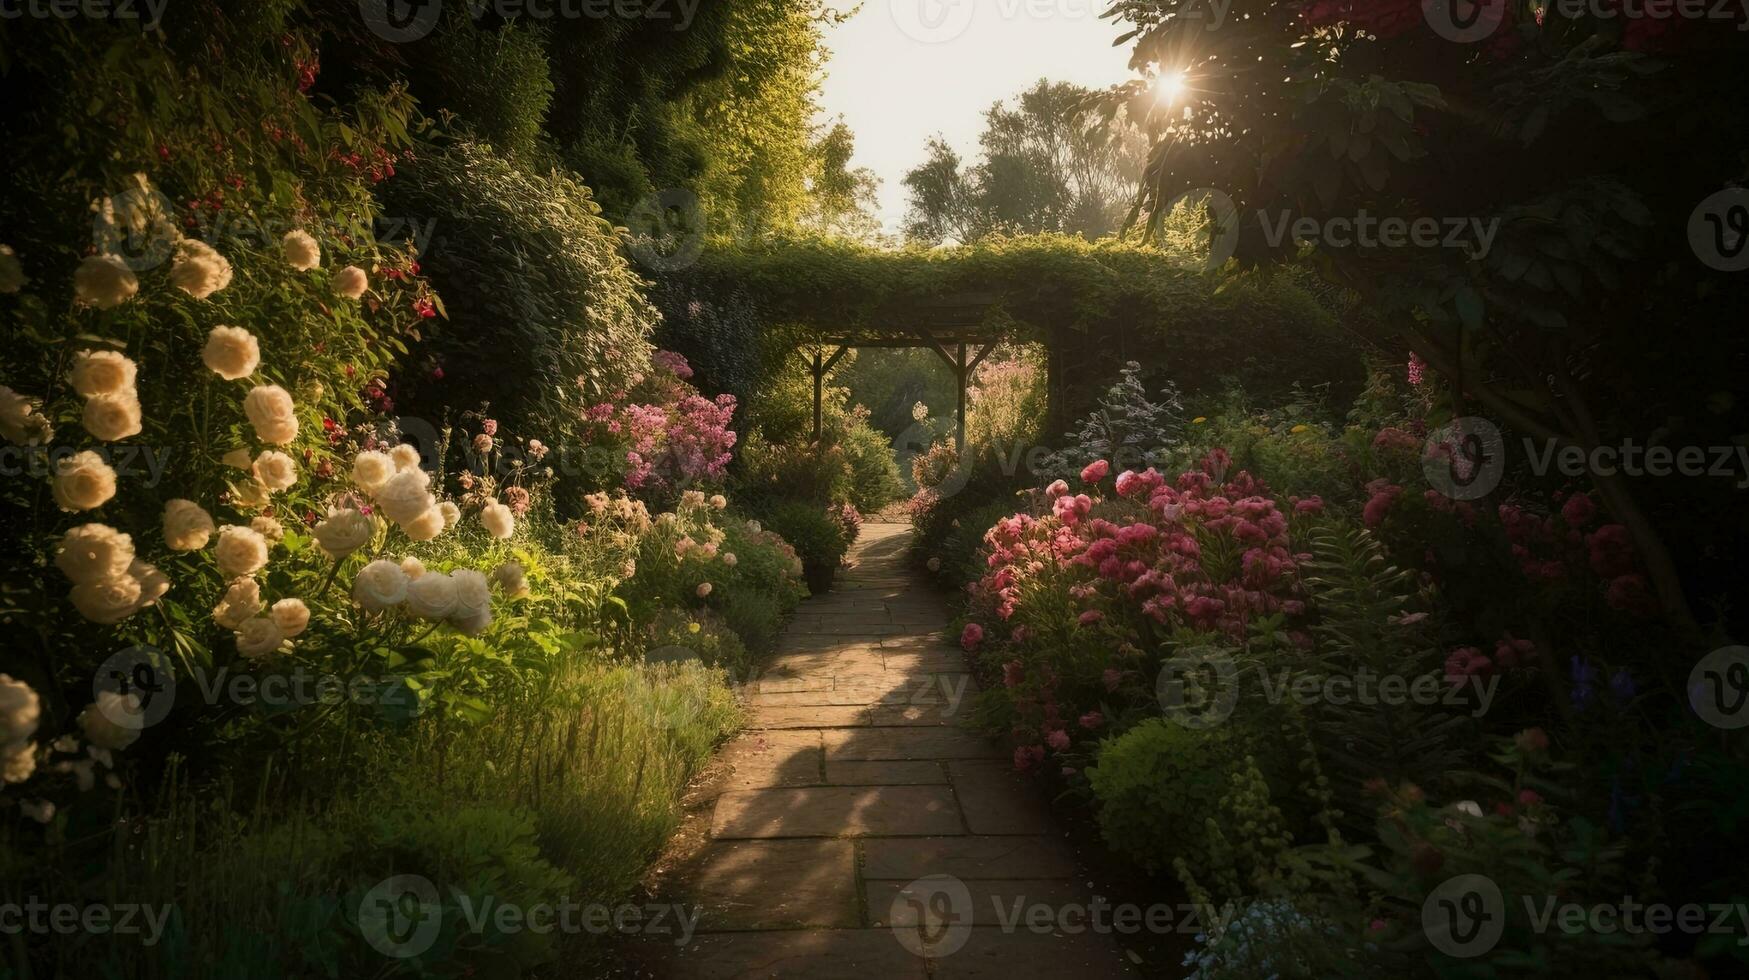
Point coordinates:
[[920, 743], [997, 801], [836, 811], [885, 773], [736, 885], [997, 954], [967, 857], [815, 954]]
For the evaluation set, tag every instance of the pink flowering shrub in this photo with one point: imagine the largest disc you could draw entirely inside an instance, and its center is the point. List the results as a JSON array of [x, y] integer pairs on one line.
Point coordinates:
[[664, 435]]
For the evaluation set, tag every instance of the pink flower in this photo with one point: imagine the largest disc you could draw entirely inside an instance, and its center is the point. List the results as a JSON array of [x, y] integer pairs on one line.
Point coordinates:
[[1111, 678], [971, 636], [1373, 514], [1310, 505], [1028, 756], [1092, 720], [1013, 673], [1467, 662], [1090, 617], [1612, 552], [1529, 797], [704, 589], [1578, 510], [489, 427], [1057, 489], [1058, 740], [1628, 593], [1095, 471], [1510, 651]]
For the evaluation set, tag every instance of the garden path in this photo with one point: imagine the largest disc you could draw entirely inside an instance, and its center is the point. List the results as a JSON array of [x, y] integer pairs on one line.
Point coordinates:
[[858, 832]]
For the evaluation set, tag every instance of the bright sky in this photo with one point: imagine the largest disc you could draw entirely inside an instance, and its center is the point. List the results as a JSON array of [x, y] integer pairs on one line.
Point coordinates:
[[902, 71]]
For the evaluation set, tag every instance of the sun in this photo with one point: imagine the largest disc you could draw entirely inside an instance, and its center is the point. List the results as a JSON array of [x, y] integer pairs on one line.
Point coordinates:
[[1168, 87]]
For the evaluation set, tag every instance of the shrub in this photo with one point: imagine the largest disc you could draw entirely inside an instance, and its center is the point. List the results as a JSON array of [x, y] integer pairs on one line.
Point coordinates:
[[496, 78], [1158, 786], [771, 472], [817, 538]]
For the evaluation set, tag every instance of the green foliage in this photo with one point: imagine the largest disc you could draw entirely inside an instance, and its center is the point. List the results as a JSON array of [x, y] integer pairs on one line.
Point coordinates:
[[890, 382], [542, 314], [774, 471], [496, 78], [817, 538], [874, 474], [1129, 430]]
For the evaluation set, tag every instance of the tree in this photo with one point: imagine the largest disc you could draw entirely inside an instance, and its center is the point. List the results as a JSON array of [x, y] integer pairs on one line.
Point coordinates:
[[1553, 131], [1050, 162], [842, 200]]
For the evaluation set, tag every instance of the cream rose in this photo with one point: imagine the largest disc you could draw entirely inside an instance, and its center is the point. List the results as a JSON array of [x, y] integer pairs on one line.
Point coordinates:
[[104, 281], [94, 553], [404, 497], [102, 372], [301, 251], [372, 469], [107, 601], [270, 410], [413, 567], [431, 596], [17, 764], [83, 481], [291, 616], [380, 585], [269, 528], [258, 637], [198, 269], [113, 721], [351, 282], [112, 417], [451, 513], [187, 526], [153, 583], [251, 494], [498, 520], [11, 272], [343, 532], [241, 551], [20, 422], [275, 470], [429, 524], [20, 710], [231, 352], [242, 601], [406, 456], [473, 602]]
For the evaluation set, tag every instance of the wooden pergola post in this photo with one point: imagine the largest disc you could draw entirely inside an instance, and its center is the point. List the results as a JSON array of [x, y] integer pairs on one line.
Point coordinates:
[[819, 367]]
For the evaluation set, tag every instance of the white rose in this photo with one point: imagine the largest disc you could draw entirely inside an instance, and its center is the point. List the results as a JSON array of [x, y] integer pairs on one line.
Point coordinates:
[[99, 725], [20, 710], [241, 551], [379, 585], [344, 532], [404, 497], [429, 524], [473, 601], [351, 282], [511, 578], [301, 251], [17, 764], [11, 272], [187, 526], [198, 269], [108, 601], [102, 372], [451, 513], [83, 481], [269, 528], [405, 456], [112, 417], [270, 410], [258, 637], [432, 596], [291, 616], [95, 553], [20, 422], [275, 470], [242, 600], [371, 469], [499, 522], [104, 281], [153, 583], [231, 352]]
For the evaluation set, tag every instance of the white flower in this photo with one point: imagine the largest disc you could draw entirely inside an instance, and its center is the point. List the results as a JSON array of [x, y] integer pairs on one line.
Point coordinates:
[[344, 532], [380, 585], [104, 281], [275, 470], [112, 417], [499, 521], [102, 372], [94, 553], [429, 524], [231, 352], [153, 583], [404, 497], [729, 559], [107, 601], [451, 513], [432, 596], [1470, 807], [301, 251], [238, 459], [198, 269], [187, 526], [511, 579], [405, 456], [11, 272], [718, 501], [251, 494], [83, 481], [371, 469], [351, 282], [270, 410], [473, 602], [269, 528], [241, 551], [20, 422], [291, 616], [258, 637], [17, 764], [20, 710], [42, 811], [242, 601], [753, 527]]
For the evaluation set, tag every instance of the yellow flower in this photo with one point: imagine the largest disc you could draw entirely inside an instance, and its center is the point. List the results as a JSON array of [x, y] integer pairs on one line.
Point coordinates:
[[1200, 419], [1298, 429], [692, 627]]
